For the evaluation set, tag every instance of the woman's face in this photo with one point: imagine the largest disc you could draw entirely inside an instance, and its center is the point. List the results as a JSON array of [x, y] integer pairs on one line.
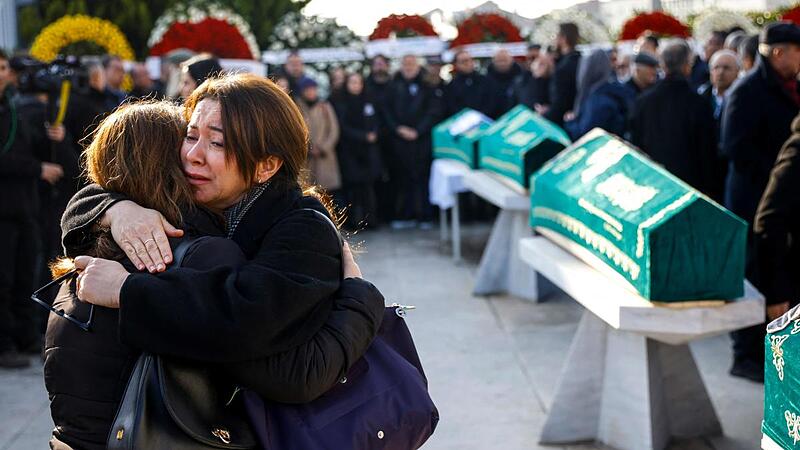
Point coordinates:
[[187, 84], [216, 183], [355, 84]]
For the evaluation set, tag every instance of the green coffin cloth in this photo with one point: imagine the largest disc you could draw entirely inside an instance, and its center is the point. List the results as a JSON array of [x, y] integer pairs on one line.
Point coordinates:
[[518, 143], [457, 137], [782, 381], [667, 240]]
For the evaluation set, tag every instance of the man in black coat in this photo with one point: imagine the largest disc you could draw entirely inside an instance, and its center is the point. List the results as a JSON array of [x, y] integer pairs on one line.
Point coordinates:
[[412, 107], [377, 88], [19, 237], [777, 230], [503, 73], [755, 123], [468, 88], [725, 66], [644, 73], [673, 124], [563, 85]]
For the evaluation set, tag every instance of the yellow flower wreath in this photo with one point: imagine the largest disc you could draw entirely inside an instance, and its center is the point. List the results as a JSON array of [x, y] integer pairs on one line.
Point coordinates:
[[70, 29]]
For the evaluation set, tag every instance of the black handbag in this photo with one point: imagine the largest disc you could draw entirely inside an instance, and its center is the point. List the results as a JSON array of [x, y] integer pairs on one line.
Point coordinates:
[[176, 405]]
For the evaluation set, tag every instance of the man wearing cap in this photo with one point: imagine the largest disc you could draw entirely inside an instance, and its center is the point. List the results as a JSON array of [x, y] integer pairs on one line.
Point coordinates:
[[644, 73], [755, 123]]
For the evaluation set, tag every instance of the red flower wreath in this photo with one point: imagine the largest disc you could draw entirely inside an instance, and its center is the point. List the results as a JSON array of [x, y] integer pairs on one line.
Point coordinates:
[[792, 15], [486, 28], [209, 35], [656, 22], [402, 25]]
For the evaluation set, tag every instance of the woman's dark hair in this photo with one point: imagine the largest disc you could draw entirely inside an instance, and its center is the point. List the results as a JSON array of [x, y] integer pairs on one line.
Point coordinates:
[[203, 67], [259, 120], [135, 151]]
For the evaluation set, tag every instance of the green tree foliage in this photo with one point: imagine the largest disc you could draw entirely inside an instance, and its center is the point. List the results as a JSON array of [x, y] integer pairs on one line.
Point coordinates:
[[136, 18]]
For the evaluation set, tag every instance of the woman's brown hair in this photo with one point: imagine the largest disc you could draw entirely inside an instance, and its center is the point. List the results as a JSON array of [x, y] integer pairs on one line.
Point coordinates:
[[261, 120], [136, 151]]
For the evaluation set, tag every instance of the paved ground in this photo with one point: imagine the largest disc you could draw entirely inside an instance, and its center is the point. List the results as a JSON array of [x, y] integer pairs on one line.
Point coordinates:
[[492, 362]]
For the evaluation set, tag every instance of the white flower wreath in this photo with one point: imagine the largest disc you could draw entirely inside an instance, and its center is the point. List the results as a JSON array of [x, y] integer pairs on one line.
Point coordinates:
[[591, 29], [714, 19]]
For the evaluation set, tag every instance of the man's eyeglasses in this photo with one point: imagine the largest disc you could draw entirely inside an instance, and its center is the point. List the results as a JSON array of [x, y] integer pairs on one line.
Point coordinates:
[[85, 326]]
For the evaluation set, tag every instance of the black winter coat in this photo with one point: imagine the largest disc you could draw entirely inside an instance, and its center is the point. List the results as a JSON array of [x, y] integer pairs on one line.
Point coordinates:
[[19, 168], [470, 91], [415, 104], [529, 90], [563, 87], [756, 122], [359, 160], [777, 226], [721, 164], [503, 84], [675, 126]]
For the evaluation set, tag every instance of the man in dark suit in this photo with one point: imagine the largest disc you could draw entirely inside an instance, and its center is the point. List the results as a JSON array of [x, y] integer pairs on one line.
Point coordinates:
[[755, 123], [725, 66], [563, 86], [671, 122], [468, 88]]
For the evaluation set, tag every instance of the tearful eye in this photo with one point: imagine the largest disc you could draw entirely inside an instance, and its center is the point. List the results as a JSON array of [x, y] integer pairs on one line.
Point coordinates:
[[190, 138], [217, 144]]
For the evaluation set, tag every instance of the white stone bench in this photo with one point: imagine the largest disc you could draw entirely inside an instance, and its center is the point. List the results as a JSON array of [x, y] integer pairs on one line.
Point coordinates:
[[446, 182], [630, 380], [501, 270]]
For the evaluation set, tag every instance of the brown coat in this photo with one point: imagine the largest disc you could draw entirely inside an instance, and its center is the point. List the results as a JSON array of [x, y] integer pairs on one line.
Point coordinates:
[[323, 128]]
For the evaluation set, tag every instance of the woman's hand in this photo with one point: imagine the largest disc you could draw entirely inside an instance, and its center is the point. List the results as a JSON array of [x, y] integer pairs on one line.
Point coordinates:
[[142, 234], [351, 269], [100, 281], [777, 310]]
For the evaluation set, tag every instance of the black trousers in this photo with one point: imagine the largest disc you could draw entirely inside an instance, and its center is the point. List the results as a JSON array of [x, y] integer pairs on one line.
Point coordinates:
[[19, 247], [748, 343], [361, 205]]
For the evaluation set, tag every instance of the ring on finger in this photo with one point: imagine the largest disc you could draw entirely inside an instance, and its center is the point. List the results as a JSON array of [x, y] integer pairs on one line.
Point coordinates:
[[149, 240]]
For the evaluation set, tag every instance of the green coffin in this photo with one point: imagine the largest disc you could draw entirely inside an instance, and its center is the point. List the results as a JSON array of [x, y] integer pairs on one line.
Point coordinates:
[[457, 137], [782, 381], [518, 143], [668, 241]]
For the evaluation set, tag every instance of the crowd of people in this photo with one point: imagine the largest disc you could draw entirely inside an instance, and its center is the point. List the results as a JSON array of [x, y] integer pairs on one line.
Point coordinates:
[[716, 118]]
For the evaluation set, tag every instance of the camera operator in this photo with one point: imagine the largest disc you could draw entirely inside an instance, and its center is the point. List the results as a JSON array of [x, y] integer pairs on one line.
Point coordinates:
[[19, 237], [38, 88]]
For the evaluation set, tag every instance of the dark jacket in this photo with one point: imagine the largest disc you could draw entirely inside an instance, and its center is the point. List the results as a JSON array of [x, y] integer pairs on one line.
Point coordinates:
[[415, 104], [503, 85], [530, 90], [563, 87], [20, 170], [84, 112], [700, 73], [777, 226], [721, 164], [606, 107], [378, 91], [756, 122], [471, 90], [359, 160], [675, 126], [297, 375]]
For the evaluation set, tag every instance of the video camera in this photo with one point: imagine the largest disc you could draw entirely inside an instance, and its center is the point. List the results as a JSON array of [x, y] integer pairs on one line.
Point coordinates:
[[37, 77]]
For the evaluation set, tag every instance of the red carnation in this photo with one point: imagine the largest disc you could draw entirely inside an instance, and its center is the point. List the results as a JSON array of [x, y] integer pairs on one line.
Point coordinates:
[[486, 28], [657, 22], [214, 36], [792, 15], [402, 25]]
